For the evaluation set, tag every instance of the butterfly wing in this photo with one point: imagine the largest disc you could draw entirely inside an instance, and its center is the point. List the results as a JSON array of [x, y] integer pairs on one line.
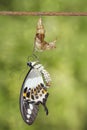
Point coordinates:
[[29, 97], [29, 112]]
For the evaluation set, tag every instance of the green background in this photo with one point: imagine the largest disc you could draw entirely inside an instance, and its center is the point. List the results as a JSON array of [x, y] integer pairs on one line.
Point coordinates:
[[67, 64]]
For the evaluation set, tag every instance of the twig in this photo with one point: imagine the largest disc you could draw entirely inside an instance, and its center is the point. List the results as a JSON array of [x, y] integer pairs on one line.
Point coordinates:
[[24, 13]]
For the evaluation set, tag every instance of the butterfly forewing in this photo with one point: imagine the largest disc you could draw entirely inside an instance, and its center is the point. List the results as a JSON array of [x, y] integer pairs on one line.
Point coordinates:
[[29, 98]]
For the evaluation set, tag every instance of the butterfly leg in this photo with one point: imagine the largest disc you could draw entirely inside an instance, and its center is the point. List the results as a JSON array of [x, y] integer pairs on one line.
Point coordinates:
[[45, 108], [44, 103]]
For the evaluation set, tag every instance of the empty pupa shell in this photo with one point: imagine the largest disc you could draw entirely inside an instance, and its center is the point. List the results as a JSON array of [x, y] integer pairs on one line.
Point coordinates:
[[40, 44]]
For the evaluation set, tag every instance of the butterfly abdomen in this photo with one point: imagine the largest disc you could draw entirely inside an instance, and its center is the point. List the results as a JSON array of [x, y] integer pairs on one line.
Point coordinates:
[[45, 74]]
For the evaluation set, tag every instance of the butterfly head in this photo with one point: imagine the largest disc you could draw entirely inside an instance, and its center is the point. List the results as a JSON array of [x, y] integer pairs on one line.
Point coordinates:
[[29, 64], [32, 64]]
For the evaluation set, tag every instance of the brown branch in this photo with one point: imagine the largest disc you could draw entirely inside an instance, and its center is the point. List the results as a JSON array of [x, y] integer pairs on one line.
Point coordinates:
[[21, 13]]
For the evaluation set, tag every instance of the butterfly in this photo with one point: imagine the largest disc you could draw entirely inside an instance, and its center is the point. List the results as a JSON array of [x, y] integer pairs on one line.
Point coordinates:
[[40, 44], [34, 92]]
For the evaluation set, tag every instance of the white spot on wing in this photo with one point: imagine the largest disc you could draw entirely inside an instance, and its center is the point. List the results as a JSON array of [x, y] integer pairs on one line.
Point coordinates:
[[31, 106], [29, 111], [27, 120], [28, 116]]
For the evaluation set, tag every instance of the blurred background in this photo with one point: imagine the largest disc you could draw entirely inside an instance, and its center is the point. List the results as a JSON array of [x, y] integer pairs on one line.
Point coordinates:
[[67, 64]]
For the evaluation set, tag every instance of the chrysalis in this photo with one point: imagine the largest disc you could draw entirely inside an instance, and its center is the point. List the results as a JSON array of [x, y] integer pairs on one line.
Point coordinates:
[[34, 92], [40, 44]]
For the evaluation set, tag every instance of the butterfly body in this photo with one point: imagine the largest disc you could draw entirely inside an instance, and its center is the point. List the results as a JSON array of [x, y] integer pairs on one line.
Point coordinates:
[[33, 93]]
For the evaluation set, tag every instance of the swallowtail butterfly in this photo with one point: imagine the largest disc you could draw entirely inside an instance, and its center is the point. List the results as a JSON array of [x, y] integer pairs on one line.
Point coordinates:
[[34, 92]]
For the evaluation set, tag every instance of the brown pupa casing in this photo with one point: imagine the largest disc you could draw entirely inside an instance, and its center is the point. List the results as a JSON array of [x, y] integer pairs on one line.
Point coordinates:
[[40, 44]]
